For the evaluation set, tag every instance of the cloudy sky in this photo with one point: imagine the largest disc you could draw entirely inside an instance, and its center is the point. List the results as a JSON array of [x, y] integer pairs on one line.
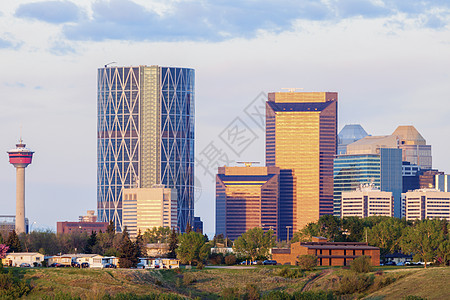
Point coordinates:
[[388, 60]]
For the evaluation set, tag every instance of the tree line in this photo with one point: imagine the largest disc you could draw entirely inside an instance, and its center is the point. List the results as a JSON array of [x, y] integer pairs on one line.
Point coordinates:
[[428, 240]]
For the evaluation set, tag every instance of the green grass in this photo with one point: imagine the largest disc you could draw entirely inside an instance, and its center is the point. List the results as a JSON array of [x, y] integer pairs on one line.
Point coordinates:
[[388, 283]]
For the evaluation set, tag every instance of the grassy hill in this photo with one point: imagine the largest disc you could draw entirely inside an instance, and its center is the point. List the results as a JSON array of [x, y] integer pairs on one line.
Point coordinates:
[[390, 283]]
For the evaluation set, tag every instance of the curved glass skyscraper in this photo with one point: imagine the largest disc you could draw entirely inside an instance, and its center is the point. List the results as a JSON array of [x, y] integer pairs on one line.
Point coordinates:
[[145, 135]]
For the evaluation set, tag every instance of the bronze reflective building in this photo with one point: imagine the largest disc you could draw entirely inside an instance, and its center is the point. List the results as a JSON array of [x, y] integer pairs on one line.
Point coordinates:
[[246, 197], [301, 130]]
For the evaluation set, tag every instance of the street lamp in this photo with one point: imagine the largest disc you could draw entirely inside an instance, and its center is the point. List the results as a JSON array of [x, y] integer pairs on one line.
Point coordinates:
[[31, 226], [287, 237]]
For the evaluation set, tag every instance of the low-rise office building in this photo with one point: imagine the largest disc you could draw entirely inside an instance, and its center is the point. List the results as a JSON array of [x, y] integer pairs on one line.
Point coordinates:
[[427, 204], [328, 253], [367, 201]]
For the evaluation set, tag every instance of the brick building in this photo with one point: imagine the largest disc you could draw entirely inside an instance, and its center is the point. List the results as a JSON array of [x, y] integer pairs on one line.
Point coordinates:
[[328, 253], [69, 227]]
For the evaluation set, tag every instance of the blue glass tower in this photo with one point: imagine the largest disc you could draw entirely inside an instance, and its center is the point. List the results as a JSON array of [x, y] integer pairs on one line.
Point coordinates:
[[145, 135], [384, 170]]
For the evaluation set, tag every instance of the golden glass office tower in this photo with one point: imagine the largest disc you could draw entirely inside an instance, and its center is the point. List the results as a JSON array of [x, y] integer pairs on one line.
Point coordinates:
[[301, 135]]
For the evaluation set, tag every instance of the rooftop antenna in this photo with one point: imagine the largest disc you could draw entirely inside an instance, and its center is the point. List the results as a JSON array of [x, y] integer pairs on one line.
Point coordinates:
[[20, 136], [292, 90], [247, 163], [113, 62]]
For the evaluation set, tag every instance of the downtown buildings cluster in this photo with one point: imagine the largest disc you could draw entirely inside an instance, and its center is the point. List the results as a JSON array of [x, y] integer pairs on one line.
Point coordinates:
[[145, 156]]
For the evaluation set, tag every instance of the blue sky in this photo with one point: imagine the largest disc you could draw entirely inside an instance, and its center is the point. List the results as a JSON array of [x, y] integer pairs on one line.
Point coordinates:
[[388, 60]]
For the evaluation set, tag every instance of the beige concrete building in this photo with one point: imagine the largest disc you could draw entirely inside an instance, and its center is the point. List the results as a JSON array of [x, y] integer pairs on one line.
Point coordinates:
[[372, 144], [427, 204], [145, 208], [414, 146], [89, 217], [367, 201]]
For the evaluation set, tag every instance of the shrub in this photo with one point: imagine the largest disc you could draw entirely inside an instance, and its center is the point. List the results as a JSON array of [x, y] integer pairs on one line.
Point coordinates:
[[320, 295], [230, 259], [277, 295], [252, 292], [230, 293], [287, 272], [200, 265], [352, 283], [12, 287], [215, 258], [361, 264], [382, 281], [189, 278], [307, 262]]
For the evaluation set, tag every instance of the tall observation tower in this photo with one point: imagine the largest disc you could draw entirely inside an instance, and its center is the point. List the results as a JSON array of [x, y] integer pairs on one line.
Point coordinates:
[[20, 157]]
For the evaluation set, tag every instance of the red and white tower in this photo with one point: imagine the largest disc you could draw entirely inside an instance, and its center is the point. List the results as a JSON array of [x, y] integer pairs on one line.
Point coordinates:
[[20, 157]]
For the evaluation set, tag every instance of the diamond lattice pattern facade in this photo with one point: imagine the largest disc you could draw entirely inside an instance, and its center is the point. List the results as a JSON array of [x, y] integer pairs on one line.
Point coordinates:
[[145, 136]]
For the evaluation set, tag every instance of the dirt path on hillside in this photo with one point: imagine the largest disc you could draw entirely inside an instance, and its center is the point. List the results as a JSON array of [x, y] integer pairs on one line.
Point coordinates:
[[314, 278]]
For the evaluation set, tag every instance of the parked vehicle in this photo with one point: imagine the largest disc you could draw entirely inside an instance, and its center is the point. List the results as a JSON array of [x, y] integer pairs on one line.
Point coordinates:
[[270, 262], [139, 266], [110, 266], [390, 263], [25, 265], [84, 265], [75, 264], [56, 265]]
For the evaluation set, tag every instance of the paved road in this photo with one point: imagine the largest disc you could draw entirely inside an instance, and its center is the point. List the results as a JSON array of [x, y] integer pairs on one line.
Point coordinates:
[[231, 267]]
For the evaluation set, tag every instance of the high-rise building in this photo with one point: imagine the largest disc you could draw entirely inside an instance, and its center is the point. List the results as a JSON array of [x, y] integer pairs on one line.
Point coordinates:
[[442, 182], [349, 134], [146, 208], [373, 160], [246, 197], [145, 136], [427, 178], [410, 176], [367, 201], [89, 217], [301, 135], [414, 146], [427, 204]]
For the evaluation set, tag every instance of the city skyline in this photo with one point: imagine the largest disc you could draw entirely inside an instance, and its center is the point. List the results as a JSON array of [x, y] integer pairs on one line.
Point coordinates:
[[384, 60]]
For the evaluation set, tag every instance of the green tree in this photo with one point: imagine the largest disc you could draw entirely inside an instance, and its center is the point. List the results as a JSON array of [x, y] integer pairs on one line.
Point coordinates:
[[423, 240], [330, 227], [156, 235], [353, 228], [111, 229], [173, 244], [128, 257], [254, 243], [306, 233], [44, 242], [91, 242], [387, 235], [188, 227], [140, 245], [192, 247], [13, 242]]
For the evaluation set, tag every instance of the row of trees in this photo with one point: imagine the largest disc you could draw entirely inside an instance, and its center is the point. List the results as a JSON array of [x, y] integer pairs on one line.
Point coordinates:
[[428, 240]]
